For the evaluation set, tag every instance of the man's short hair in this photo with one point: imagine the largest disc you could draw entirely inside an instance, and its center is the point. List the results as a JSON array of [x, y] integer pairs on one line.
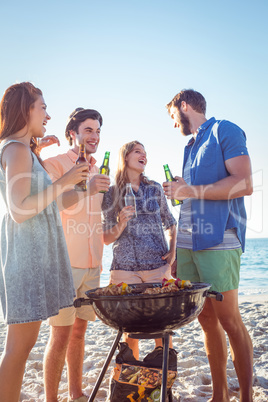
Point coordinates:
[[78, 116], [193, 98]]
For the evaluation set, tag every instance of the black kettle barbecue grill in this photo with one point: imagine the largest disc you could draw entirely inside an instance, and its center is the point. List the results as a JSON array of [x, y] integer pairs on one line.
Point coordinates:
[[147, 316]]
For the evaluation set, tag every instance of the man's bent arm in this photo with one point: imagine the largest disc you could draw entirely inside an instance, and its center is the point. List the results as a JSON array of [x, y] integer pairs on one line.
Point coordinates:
[[238, 184]]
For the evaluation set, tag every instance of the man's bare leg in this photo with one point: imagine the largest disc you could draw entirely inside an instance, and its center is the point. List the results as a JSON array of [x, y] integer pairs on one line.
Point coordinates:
[[228, 315], [54, 359], [216, 349], [159, 342], [75, 358], [133, 344], [240, 342]]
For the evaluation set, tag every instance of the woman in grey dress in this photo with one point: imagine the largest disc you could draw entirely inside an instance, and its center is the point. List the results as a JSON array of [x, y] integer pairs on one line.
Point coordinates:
[[35, 273]]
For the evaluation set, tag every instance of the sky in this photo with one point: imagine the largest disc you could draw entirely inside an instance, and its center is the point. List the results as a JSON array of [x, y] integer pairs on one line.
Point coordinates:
[[128, 59]]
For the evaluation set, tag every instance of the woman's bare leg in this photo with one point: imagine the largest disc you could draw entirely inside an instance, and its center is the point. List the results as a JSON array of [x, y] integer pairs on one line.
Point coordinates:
[[19, 341]]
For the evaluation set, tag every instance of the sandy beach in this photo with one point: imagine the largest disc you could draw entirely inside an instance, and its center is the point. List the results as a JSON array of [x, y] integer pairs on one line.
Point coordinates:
[[194, 380]]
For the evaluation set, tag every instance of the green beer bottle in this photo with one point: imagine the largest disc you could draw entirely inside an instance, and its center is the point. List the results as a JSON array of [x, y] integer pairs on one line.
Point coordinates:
[[104, 169], [169, 177]]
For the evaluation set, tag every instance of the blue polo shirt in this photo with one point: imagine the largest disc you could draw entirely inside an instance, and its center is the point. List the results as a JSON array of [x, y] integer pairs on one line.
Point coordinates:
[[216, 142]]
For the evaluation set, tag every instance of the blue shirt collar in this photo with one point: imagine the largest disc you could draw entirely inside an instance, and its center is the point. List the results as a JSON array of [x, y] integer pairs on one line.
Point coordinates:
[[203, 127]]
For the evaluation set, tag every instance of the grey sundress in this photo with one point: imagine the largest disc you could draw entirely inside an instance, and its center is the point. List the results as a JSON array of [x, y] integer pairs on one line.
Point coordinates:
[[35, 273]]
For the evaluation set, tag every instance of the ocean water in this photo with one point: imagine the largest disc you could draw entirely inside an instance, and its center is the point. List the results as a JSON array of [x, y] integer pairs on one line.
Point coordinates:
[[253, 274], [254, 268]]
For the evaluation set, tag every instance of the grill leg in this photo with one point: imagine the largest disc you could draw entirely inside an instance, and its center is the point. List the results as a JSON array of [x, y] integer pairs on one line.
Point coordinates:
[[163, 394], [104, 368]]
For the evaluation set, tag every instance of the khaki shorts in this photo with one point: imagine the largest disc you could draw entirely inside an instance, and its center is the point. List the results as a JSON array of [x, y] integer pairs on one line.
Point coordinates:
[[84, 279], [220, 268], [152, 276]]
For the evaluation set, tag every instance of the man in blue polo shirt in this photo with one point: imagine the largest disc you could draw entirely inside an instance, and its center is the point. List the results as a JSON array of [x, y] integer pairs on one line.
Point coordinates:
[[211, 231]]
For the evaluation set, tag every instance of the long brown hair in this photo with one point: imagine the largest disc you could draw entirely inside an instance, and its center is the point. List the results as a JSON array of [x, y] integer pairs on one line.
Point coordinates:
[[121, 176], [15, 109]]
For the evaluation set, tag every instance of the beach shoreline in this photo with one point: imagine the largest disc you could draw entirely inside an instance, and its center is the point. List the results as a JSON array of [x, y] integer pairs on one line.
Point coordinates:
[[253, 298], [194, 380]]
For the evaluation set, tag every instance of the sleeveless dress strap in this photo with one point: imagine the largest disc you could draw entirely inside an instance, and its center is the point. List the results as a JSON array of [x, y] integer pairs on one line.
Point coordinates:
[[2, 147]]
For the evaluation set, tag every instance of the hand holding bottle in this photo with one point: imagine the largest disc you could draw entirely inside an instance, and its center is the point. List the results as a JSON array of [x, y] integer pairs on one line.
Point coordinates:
[[75, 175], [104, 168], [177, 188], [126, 214], [99, 183], [170, 179], [82, 185], [130, 199]]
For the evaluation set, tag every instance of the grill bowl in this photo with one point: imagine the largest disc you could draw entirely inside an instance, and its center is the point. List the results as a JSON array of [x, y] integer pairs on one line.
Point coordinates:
[[144, 313]]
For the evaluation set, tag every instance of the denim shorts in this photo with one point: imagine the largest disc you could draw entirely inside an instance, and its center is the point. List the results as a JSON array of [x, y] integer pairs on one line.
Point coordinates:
[[220, 268]]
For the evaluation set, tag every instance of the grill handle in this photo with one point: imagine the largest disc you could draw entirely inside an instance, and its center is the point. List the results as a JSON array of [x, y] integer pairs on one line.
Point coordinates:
[[82, 302], [215, 295]]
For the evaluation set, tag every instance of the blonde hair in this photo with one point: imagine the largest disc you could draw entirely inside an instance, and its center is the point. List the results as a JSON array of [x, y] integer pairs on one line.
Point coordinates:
[[121, 176]]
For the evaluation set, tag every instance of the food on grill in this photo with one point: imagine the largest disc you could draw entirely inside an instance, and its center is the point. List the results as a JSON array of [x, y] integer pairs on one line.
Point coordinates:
[[178, 282], [165, 289], [169, 286], [114, 290]]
